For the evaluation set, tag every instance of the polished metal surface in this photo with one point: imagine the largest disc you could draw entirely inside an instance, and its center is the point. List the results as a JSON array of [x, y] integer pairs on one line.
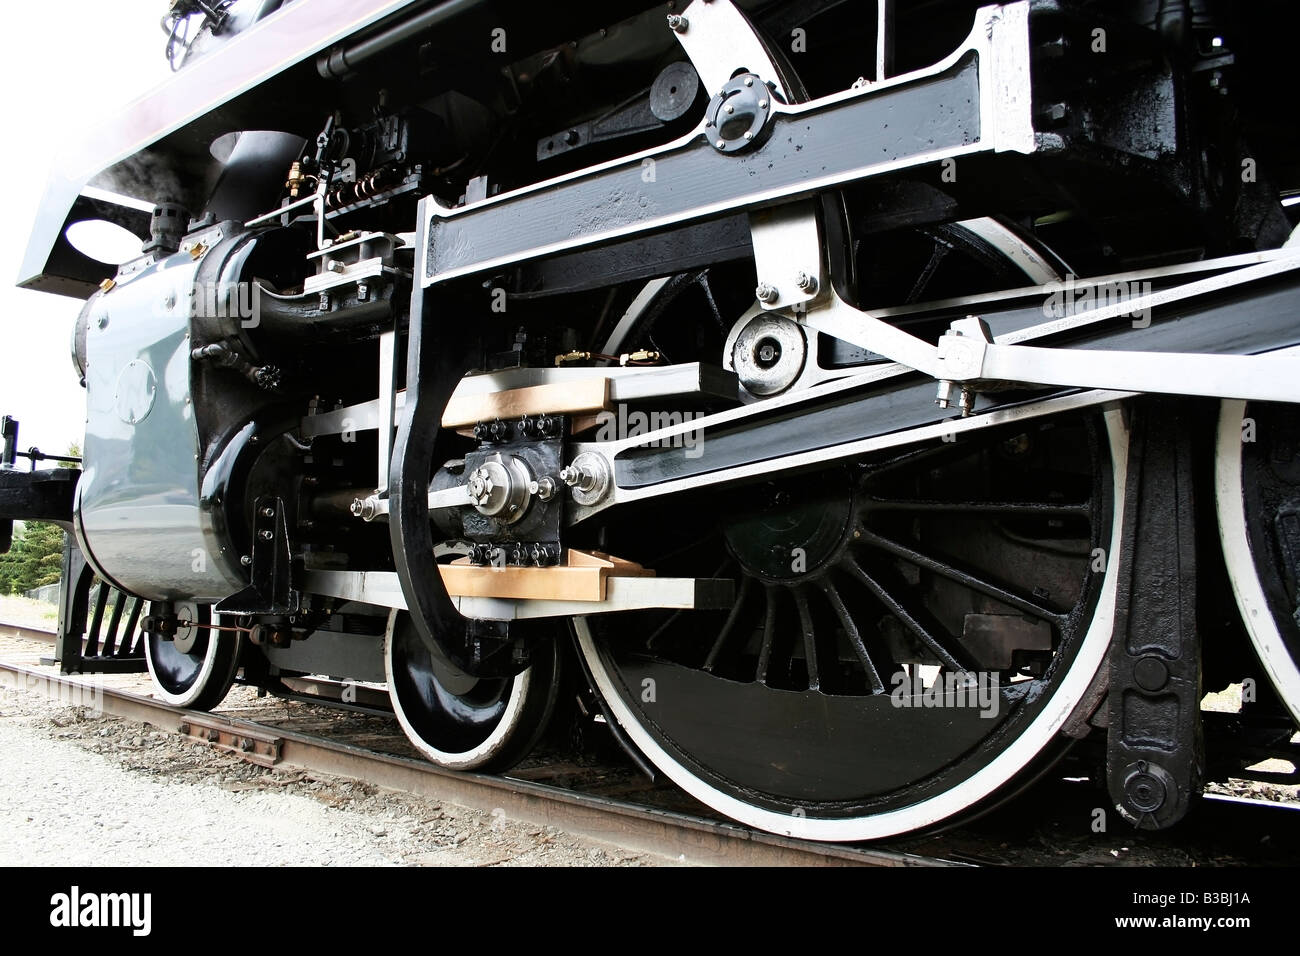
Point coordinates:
[[769, 354], [138, 503]]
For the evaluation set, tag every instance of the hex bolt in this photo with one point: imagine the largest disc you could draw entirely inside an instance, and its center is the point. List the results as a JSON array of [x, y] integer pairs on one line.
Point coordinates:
[[806, 283], [578, 478], [245, 560], [268, 512], [943, 398], [678, 24], [749, 81], [543, 488], [266, 535], [334, 265], [766, 293]]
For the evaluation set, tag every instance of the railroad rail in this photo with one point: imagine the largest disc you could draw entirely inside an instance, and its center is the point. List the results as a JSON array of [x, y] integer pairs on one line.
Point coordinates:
[[634, 827], [1247, 824]]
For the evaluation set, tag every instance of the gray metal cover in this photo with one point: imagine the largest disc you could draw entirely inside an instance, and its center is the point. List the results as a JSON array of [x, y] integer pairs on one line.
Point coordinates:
[[138, 503]]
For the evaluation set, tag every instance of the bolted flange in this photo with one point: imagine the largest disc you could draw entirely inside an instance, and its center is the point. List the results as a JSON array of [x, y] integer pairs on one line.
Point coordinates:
[[588, 477], [738, 115]]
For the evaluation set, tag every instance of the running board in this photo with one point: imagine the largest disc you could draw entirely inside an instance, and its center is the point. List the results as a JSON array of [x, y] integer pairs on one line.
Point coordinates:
[[622, 593], [474, 399]]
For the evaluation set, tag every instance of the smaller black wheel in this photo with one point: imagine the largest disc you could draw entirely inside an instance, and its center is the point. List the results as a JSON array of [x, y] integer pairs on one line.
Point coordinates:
[[195, 668], [463, 722]]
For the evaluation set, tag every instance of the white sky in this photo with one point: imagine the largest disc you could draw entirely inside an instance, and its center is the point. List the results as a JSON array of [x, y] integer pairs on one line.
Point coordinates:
[[65, 67]]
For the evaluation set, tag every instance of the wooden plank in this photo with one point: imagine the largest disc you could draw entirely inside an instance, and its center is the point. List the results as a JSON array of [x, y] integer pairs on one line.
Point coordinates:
[[581, 578], [586, 397]]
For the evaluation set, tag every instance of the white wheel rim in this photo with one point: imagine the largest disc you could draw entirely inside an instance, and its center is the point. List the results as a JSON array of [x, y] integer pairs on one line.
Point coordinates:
[[502, 733], [1240, 560], [1031, 741], [191, 694]]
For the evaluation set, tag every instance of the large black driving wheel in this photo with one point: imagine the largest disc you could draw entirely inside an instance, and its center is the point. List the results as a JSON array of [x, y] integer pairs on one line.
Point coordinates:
[[909, 636]]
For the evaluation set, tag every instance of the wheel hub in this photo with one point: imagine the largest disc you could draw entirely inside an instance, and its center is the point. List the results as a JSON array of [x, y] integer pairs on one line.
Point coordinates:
[[769, 354], [792, 530], [500, 488]]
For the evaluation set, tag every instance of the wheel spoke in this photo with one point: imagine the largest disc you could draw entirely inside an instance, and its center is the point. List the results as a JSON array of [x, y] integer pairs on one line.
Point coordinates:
[[746, 585], [769, 635], [1028, 509], [662, 629], [809, 637], [855, 637], [662, 557], [901, 613], [963, 577], [707, 289], [937, 255], [673, 618]]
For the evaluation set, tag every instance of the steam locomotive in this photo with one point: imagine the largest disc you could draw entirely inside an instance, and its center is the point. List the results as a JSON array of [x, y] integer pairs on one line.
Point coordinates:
[[861, 403]]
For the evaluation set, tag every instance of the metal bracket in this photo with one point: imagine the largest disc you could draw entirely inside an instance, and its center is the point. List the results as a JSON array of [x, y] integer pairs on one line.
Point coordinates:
[[788, 255], [720, 40], [272, 589]]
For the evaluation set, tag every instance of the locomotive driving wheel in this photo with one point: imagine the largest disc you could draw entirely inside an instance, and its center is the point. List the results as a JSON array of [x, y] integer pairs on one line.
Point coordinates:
[[909, 634], [1257, 485], [910, 631]]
